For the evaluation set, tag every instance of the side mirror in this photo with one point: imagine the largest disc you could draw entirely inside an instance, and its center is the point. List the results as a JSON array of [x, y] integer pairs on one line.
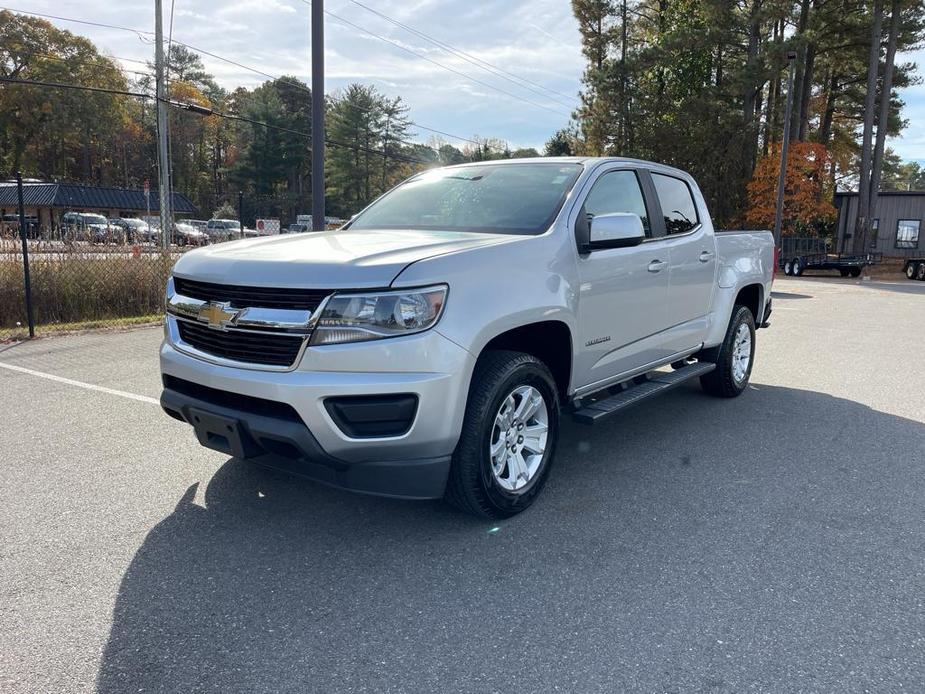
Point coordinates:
[[617, 230]]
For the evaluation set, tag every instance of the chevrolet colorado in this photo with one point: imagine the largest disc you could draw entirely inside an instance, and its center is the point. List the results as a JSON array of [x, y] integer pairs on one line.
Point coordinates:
[[430, 346]]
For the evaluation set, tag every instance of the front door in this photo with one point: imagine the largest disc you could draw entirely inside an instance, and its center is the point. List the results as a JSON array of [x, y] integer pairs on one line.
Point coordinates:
[[623, 291]]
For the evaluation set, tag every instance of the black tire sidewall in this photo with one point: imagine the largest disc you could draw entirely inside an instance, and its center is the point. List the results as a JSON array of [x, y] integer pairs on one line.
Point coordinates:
[[742, 315], [504, 502], [532, 375]]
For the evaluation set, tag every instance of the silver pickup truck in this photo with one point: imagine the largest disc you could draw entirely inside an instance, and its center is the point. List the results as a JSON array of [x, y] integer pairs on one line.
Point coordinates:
[[430, 347]]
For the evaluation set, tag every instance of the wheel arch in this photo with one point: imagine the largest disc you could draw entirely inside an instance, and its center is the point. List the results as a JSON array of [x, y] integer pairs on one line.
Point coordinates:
[[549, 341], [752, 297]]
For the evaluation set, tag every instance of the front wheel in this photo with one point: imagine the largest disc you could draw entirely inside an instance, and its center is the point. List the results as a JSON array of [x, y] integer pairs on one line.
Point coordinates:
[[910, 271], [797, 268], [733, 358], [508, 436], [920, 272], [788, 267]]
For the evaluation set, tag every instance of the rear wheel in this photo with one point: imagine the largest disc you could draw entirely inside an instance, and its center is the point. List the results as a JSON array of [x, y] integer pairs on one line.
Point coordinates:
[[910, 270], [797, 267], [843, 273], [733, 358], [855, 272], [920, 272], [788, 267], [508, 437]]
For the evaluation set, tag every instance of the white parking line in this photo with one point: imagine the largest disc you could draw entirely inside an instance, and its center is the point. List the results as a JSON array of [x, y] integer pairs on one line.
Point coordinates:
[[81, 384]]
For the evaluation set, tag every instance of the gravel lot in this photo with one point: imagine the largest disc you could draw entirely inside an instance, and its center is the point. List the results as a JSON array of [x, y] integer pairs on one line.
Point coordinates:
[[771, 543]]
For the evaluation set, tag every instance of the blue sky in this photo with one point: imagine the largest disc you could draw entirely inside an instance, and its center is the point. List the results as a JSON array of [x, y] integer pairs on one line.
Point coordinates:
[[536, 40]]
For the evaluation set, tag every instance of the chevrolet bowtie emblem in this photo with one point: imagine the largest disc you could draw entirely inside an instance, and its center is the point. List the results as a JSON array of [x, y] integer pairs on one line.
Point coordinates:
[[219, 315]]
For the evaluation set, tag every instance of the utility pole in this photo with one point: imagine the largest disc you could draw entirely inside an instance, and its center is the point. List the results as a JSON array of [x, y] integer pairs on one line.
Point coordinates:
[[318, 115], [163, 156], [784, 149]]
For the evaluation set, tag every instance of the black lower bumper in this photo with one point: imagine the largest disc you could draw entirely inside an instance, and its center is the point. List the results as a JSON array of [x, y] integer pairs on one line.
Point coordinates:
[[246, 427]]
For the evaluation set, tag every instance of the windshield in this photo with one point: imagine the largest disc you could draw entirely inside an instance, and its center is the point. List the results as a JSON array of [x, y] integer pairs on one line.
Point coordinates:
[[491, 198], [94, 219]]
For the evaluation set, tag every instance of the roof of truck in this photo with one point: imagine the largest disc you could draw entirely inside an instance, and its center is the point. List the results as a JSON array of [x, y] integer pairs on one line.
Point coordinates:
[[572, 160]]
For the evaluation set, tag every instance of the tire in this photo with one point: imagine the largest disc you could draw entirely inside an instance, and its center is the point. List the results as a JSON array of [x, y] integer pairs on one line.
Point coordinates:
[[843, 273], [475, 484], [855, 272], [920, 272], [726, 381], [797, 267], [911, 270], [788, 267]]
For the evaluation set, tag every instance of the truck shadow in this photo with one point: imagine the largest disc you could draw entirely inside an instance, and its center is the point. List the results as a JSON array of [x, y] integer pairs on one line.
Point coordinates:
[[686, 517]]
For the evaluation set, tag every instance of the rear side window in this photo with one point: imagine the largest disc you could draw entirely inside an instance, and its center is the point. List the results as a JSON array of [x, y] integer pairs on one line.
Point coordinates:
[[677, 203], [617, 191]]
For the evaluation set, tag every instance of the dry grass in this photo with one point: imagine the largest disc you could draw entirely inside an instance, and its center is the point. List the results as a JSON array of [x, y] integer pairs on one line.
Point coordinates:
[[82, 286]]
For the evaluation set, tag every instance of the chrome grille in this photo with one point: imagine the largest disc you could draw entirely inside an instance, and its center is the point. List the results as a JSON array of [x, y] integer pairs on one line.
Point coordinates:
[[264, 326], [244, 297]]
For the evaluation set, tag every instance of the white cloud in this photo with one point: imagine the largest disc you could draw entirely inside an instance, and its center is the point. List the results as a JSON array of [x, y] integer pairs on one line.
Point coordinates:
[[273, 36], [537, 40]]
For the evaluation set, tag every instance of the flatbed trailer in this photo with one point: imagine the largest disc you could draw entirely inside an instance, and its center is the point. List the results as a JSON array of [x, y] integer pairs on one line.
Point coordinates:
[[915, 269], [800, 254]]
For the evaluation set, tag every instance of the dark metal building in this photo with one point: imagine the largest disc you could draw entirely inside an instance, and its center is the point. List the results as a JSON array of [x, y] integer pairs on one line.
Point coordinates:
[[898, 231], [49, 201]]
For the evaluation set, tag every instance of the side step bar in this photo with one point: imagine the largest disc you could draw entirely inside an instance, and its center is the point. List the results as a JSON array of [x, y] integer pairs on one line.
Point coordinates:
[[654, 385]]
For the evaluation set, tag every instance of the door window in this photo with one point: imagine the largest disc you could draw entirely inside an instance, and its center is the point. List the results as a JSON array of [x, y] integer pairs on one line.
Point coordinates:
[[677, 203], [617, 191]]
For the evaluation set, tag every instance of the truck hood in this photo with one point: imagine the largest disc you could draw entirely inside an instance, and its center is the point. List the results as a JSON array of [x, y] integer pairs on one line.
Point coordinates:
[[325, 260]]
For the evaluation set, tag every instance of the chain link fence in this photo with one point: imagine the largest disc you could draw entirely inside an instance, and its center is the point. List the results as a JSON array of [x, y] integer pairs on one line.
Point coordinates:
[[79, 284]]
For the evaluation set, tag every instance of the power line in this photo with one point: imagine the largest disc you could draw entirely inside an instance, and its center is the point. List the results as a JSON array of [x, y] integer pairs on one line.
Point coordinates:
[[439, 64], [81, 87], [206, 111], [474, 60], [142, 32], [80, 21], [87, 62]]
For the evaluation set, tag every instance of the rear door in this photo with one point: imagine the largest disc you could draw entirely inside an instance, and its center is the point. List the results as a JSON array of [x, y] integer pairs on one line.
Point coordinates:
[[692, 260], [623, 291]]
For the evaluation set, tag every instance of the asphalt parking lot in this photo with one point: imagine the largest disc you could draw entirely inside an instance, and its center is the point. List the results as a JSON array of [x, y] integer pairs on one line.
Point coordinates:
[[771, 543]]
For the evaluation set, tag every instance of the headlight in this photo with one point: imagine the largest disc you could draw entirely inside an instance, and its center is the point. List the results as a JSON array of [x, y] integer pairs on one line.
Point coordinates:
[[360, 317]]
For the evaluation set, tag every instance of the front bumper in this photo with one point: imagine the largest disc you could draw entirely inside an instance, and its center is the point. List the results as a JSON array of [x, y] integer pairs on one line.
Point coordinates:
[[305, 438], [284, 442]]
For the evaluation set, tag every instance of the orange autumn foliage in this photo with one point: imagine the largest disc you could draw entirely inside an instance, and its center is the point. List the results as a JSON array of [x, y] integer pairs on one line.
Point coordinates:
[[807, 208]]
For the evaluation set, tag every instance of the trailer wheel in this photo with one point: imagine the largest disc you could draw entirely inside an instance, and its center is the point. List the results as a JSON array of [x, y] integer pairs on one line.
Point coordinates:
[[843, 272], [911, 270], [855, 272], [920, 272], [797, 267], [788, 267]]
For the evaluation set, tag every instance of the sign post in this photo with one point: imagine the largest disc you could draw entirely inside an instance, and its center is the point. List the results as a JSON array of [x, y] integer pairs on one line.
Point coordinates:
[[148, 206]]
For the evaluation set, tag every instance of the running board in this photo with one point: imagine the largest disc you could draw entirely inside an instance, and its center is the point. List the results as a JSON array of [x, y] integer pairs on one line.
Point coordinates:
[[656, 384]]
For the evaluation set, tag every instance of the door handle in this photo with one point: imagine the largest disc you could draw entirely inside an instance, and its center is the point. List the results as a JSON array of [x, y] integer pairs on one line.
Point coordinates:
[[657, 265], [706, 256]]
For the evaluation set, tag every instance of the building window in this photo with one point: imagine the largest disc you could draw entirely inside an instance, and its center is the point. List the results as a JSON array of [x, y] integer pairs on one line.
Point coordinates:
[[907, 233], [874, 233]]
